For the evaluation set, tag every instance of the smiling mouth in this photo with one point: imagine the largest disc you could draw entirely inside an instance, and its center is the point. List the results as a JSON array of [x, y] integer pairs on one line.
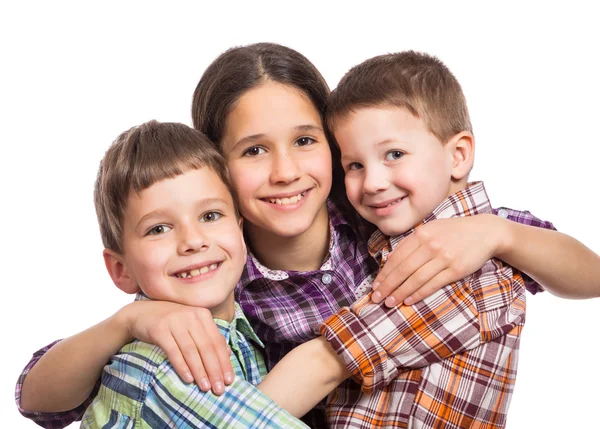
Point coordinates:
[[382, 206], [287, 200], [196, 272]]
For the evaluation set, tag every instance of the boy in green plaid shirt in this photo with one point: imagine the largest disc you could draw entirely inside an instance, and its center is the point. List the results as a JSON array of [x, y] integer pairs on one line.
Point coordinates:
[[172, 232]]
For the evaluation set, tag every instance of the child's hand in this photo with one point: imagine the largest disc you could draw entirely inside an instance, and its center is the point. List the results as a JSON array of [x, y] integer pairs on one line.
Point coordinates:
[[189, 337], [436, 254]]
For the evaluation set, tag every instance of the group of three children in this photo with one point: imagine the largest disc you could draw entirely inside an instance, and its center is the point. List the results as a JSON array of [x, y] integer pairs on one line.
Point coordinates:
[[170, 202]]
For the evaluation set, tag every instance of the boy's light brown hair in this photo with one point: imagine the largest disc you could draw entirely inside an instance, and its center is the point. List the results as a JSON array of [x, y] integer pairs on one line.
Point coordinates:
[[415, 81], [139, 158]]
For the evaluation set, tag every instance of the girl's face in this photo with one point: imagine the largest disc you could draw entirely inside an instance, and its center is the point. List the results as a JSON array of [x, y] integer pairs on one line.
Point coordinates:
[[279, 159]]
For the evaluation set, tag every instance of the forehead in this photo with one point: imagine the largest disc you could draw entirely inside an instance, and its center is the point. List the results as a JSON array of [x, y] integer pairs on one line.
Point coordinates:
[[377, 124], [190, 187], [269, 109]]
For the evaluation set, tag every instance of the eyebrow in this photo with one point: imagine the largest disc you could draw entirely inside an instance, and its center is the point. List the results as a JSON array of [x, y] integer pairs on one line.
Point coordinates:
[[386, 141], [344, 158], [200, 203], [255, 137]]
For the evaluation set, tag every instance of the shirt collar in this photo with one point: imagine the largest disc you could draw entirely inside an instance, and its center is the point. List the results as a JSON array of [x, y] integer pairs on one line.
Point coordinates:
[[255, 270], [228, 329], [470, 201]]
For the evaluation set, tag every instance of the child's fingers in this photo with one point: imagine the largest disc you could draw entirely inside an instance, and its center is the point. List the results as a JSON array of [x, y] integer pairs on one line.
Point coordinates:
[[404, 249], [189, 349], [440, 280], [397, 277], [223, 352], [415, 282], [203, 344], [171, 349]]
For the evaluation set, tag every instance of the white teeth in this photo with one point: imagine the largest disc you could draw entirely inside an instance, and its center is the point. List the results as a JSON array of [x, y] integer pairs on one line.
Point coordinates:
[[193, 273], [285, 201]]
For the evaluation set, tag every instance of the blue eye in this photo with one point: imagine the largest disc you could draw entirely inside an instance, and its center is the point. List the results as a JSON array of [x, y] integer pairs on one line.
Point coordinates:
[[304, 141], [394, 155], [210, 217], [158, 229], [354, 166], [254, 151]]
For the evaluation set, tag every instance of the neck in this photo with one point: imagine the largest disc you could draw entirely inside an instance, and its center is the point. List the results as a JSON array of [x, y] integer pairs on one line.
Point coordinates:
[[457, 185], [303, 252]]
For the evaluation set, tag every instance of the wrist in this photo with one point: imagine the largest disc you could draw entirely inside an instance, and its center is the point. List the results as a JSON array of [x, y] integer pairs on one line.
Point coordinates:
[[505, 237], [121, 323]]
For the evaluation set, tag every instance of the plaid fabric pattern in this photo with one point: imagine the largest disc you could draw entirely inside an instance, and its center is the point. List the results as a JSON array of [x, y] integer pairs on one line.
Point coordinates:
[[449, 361], [141, 389], [286, 308]]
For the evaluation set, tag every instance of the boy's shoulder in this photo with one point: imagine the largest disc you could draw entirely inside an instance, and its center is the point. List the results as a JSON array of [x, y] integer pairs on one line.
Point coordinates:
[[137, 362]]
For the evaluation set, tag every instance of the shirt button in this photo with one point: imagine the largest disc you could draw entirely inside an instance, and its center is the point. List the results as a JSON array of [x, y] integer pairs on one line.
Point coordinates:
[[326, 279], [503, 213]]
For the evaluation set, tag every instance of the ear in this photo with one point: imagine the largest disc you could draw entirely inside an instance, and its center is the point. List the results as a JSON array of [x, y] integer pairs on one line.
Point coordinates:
[[462, 150], [117, 270]]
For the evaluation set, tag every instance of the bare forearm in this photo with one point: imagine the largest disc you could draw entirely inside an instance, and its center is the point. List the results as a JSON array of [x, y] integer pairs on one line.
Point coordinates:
[[305, 376], [65, 376], [561, 264]]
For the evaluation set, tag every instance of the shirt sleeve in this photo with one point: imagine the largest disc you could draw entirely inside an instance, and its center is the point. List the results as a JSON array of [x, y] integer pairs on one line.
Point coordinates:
[[49, 420], [141, 389], [241, 406], [377, 343], [525, 218]]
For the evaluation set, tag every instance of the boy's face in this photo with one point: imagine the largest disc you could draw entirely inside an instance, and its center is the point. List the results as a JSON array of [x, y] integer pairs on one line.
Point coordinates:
[[183, 243], [397, 172]]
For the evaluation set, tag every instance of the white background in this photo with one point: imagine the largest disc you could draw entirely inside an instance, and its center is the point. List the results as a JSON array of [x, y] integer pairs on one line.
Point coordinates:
[[73, 76]]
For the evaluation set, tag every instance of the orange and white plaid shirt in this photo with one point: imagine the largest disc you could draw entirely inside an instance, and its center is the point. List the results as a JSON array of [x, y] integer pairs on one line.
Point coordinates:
[[449, 361]]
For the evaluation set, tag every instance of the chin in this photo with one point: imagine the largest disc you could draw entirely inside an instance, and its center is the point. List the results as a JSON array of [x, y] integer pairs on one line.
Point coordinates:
[[393, 228], [291, 230]]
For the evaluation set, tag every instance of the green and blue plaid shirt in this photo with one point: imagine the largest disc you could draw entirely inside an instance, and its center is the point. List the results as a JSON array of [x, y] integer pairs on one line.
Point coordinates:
[[140, 389]]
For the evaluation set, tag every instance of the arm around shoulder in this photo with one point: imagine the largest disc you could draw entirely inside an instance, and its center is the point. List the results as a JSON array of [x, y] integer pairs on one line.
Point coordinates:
[[560, 263]]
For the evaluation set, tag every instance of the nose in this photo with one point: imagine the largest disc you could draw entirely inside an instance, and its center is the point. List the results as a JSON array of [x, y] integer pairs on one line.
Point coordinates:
[[375, 181], [285, 167], [191, 240]]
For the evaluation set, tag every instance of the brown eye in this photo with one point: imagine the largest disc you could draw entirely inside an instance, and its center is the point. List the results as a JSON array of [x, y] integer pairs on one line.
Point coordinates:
[[211, 216], [304, 141], [254, 151], [158, 229]]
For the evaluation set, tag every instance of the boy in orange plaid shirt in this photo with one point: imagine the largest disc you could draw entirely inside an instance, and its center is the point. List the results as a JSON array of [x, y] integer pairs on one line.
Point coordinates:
[[402, 124]]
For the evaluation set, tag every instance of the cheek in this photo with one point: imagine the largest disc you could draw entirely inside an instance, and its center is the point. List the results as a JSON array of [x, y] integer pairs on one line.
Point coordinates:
[[153, 258], [232, 243], [246, 180], [319, 165], [353, 189], [146, 261]]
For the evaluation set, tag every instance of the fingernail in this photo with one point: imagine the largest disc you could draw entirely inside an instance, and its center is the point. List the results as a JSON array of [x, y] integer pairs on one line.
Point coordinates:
[[228, 377], [376, 297], [205, 384], [375, 285], [230, 351], [188, 378], [390, 301], [219, 387], [409, 300]]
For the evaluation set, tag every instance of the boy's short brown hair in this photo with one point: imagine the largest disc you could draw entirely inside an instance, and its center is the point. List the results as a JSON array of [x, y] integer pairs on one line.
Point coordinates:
[[415, 81], [142, 156]]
